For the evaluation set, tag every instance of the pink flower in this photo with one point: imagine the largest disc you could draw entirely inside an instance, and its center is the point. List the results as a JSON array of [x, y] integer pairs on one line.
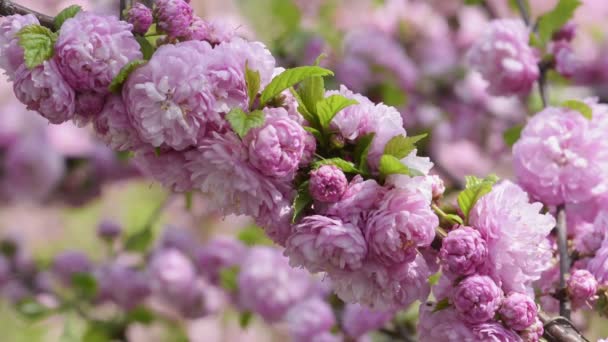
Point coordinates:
[[515, 233], [166, 167], [11, 53], [221, 169], [360, 196], [566, 62], [220, 252], [598, 265], [91, 50], [44, 90], [113, 127], [518, 311], [327, 183], [173, 17], [169, 99], [582, 287], [88, 105], [353, 121], [276, 148], [442, 325], [309, 318], [402, 222], [534, 332], [321, 243], [140, 16], [463, 251], [477, 298], [504, 58], [495, 332], [559, 157], [357, 320]]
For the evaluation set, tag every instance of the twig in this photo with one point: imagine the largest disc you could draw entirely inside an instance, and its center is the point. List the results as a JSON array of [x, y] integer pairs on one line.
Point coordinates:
[[8, 7], [524, 12], [560, 329], [564, 261]]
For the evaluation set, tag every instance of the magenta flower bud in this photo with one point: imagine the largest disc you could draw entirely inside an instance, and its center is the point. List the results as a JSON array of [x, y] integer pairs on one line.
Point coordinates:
[[566, 62], [309, 318], [534, 332], [11, 53], [518, 311], [92, 49], [277, 147], [463, 251], [44, 90], [320, 243], [67, 264], [327, 183], [109, 230], [140, 16], [173, 274], [504, 58], [357, 320], [174, 17], [198, 30], [477, 298], [582, 286], [438, 187], [495, 332], [566, 33], [124, 286]]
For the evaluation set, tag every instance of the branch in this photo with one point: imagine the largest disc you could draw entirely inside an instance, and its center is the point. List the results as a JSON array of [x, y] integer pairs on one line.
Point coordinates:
[[8, 7], [564, 261], [560, 329]]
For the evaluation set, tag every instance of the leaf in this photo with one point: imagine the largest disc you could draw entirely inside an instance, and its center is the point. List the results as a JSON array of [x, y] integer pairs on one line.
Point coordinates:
[[314, 132], [512, 134], [390, 165], [434, 279], [38, 44], [289, 78], [253, 235], [475, 189], [312, 90], [441, 305], [96, 333], [140, 315], [580, 107], [147, 49], [188, 200], [473, 2], [393, 95], [242, 122], [116, 84], [551, 22], [330, 106], [401, 146], [85, 284], [32, 309], [229, 278], [252, 78], [308, 116], [453, 218], [302, 201], [362, 150], [342, 164], [140, 241], [245, 319], [66, 14]]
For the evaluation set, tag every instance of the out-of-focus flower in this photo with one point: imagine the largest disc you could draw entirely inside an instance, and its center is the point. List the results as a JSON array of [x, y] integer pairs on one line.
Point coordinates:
[[140, 16], [11, 53]]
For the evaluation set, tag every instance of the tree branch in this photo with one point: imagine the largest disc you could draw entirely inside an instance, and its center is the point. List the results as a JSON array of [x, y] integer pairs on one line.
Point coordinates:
[[8, 7], [560, 329], [564, 261]]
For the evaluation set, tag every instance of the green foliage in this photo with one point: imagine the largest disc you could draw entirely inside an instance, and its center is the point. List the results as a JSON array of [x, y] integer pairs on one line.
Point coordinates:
[[452, 218], [242, 122], [252, 77], [140, 315], [390, 165], [441, 305], [475, 189], [302, 201], [245, 318], [401, 146], [229, 278], [140, 241], [272, 19], [188, 200], [85, 284], [330, 106], [551, 22], [116, 84], [362, 150], [32, 309], [147, 49], [512, 134], [253, 235], [312, 90], [289, 78], [344, 165], [66, 14], [580, 107], [96, 332], [38, 44]]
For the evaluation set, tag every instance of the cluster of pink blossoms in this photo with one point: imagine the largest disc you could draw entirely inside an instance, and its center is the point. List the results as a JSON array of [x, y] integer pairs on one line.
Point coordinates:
[[489, 267], [363, 226]]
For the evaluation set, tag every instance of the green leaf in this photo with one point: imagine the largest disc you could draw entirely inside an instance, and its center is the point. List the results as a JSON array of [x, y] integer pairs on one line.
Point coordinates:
[[401, 146], [66, 14], [116, 84], [245, 319], [513, 5], [312, 90], [302, 201], [307, 115], [140, 241], [434, 279], [393, 95], [330, 106], [318, 135], [85, 284], [453, 218], [580, 107], [38, 44], [473, 2], [188, 200], [96, 333], [252, 78], [512, 134], [32, 309], [229, 278], [362, 150], [253, 235], [147, 49], [289, 78], [140, 315], [390, 165], [441, 305], [551, 22], [242, 122], [344, 165], [475, 189]]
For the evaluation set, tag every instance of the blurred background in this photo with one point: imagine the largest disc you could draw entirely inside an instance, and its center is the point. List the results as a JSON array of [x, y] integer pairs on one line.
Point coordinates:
[[58, 183]]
